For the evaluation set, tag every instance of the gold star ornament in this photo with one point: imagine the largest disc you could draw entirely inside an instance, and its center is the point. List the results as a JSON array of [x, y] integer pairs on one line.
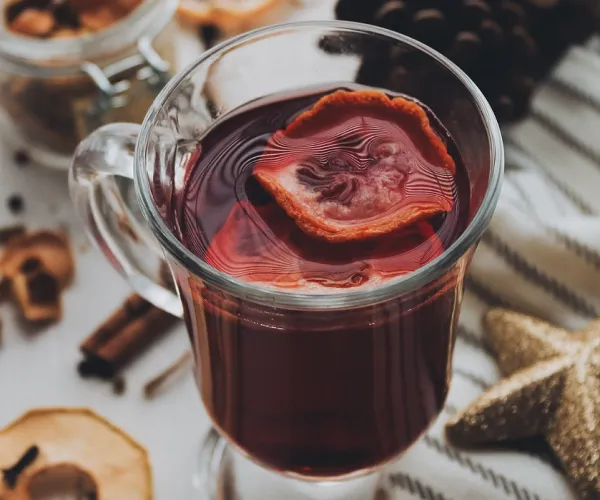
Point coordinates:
[[552, 389]]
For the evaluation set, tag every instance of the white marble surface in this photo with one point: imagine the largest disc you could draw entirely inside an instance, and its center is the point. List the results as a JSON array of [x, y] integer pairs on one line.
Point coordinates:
[[39, 368]]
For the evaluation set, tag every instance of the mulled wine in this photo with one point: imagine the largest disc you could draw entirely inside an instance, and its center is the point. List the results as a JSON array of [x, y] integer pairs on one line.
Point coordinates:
[[323, 191]]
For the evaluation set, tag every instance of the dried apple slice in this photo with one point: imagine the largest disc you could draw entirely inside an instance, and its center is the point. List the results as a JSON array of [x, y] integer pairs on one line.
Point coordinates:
[[358, 165], [51, 248], [71, 453]]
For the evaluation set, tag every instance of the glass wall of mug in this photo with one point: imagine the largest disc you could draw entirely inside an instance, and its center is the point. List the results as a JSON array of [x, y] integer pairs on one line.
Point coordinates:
[[317, 387], [54, 92]]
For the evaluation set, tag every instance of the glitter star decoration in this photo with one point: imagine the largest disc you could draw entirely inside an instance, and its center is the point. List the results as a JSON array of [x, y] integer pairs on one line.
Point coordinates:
[[552, 389]]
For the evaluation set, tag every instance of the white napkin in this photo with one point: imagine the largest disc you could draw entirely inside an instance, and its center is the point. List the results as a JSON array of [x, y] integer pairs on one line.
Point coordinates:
[[540, 255]]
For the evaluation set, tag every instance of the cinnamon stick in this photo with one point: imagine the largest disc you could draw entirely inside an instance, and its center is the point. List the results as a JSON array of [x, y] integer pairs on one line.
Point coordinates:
[[125, 335], [133, 307], [169, 374]]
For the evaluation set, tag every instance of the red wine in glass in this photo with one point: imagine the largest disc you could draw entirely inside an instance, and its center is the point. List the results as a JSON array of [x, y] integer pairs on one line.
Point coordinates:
[[318, 393]]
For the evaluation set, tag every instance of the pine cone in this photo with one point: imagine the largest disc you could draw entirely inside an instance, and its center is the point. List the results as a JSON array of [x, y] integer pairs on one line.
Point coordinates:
[[505, 46]]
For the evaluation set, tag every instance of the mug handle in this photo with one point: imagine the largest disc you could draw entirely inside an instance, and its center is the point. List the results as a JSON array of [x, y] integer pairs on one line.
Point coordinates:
[[102, 168]]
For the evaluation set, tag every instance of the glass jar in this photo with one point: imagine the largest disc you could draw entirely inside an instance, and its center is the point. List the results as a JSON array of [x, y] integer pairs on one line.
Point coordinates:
[[54, 92]]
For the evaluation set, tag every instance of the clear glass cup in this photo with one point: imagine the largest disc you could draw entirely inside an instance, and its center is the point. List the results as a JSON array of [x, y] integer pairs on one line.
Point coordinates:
[[54, 92], [310, 395]]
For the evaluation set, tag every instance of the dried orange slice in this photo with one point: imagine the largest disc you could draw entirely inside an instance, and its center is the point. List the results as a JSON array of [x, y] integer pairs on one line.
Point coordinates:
[[196, 11], [358, 165], [251, 246], [261, 244], [229, 15]]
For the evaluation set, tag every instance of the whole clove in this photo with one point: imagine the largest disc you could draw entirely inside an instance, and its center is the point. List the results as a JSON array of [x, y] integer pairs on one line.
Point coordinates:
[[11, 475], [21, 158], [118, 386]]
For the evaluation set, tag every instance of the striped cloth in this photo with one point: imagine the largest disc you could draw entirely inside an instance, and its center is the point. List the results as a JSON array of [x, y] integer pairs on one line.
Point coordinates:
[[541, 255]]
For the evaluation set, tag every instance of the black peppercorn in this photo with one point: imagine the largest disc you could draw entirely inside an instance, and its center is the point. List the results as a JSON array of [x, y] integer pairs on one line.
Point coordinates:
[[118, 386], [15, 203], [21, 158]]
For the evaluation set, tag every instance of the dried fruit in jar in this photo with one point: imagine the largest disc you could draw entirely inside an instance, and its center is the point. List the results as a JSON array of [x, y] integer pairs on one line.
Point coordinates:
[[33, 22], [64, 18], [358, 165], [99, 18]]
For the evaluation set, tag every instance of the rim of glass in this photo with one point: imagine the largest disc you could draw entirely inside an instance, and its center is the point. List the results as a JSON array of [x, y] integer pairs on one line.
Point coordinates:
[[314, 301], [153, 15]]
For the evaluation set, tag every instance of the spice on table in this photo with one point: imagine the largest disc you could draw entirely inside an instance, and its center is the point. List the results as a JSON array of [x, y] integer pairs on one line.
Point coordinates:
[[122, 337], [15, 203], [119, 386], [168, 376], [11, 475], [21, 158]]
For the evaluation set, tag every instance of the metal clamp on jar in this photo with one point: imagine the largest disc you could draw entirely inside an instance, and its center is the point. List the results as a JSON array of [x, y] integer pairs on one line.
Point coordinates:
[[54, 92]]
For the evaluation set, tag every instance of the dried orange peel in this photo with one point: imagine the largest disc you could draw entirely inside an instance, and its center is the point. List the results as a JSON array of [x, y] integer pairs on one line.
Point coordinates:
[[80, 455], [358, 165]]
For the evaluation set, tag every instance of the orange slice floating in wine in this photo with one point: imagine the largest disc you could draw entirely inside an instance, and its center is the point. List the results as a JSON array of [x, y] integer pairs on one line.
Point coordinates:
[[358, 165], [261, 244]]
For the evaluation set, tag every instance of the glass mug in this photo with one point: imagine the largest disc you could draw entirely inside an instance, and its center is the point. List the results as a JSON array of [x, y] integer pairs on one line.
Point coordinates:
[[310, 394]]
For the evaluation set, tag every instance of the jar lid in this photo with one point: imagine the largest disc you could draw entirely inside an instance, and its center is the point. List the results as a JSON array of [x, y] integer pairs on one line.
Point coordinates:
[[126, 89]]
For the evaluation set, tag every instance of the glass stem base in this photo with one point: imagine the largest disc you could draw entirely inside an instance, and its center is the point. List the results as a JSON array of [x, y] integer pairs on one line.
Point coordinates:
[[224, 474]]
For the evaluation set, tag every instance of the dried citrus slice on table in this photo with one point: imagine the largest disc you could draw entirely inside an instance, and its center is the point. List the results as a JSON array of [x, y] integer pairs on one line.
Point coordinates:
[[358, 165], [196, 11], [227, 14], [71, 453]]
